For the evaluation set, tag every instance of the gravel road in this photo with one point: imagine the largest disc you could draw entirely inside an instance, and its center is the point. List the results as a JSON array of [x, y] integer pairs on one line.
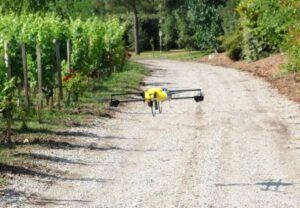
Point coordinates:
[[238, 148]]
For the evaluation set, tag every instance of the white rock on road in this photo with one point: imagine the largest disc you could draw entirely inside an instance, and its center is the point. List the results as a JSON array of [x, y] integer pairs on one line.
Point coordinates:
[[238, 148]]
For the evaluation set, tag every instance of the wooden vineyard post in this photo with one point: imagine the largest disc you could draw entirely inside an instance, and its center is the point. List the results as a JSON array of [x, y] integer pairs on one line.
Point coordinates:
[[59, 79], [25, 73], [69, 55], [40, 82], [69, 51], [7, 59]]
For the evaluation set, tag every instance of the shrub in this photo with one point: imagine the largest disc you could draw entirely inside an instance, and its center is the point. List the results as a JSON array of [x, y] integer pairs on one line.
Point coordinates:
[[292, 39], [264, 26], [233, 45]]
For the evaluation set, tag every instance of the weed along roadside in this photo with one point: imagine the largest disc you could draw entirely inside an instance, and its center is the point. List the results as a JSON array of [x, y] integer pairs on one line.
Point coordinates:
[[52, 130]]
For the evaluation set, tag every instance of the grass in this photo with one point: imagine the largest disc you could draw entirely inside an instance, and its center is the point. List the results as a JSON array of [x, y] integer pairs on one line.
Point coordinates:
[[7, 155], [3, 182], [183, 55], [82, 113]]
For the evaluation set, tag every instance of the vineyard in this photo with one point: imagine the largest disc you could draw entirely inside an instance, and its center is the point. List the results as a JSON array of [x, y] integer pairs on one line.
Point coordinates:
[[77, 78], [48, 62]]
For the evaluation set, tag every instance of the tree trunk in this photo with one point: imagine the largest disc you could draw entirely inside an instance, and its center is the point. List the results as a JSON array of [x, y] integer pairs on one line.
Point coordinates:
[[7, 59], [51, 102], [40, 82], [8, 132], [59, 79], [136, 28]]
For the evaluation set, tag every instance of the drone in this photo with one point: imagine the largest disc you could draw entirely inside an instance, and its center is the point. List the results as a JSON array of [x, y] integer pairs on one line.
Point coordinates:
[[154, 97]]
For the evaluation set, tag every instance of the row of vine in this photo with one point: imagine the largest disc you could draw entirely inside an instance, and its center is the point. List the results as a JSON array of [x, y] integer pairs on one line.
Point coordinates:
[[97, 50]]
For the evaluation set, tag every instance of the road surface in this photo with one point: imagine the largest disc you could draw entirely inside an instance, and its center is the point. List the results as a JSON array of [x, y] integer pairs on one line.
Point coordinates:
[[238, 148]]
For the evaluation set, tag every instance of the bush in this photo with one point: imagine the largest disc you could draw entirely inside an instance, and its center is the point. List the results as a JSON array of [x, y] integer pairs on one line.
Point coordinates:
[[292, 46], [7, 108], [292, 39], [233, 45], [264, 26], [199, 24], [230, 17]]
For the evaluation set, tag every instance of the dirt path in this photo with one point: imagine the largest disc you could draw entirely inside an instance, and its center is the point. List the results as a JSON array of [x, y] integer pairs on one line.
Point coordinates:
[[239, 148]]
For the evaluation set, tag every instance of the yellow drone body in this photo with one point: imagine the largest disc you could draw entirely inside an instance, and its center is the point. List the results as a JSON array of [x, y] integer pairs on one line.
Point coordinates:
[[157, 94]]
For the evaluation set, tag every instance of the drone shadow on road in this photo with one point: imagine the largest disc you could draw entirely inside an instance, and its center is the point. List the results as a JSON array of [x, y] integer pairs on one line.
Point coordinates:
[[268, 185]]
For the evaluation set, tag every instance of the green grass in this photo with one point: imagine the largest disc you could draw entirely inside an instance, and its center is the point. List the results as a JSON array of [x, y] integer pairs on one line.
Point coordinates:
[[7, 155], [3, 181], [182, 55], [125, 81]]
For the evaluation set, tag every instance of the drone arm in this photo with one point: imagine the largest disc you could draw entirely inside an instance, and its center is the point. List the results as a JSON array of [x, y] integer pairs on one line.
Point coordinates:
[[197, 98], [127, 93], [116, 103], [131, 101], [189, 90]]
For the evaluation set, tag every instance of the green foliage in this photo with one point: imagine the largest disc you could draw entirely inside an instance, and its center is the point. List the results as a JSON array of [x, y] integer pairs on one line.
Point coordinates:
[[97, 53], [292, 40], [114, 40], [170, 33], [198, 24], [7, 99], [97, 46], [233, 45], [33, 30], [62, 8], [92, 41], [230, 17], [80, 45], [261, 28], [264, 26], [7, 107], [76, 85]]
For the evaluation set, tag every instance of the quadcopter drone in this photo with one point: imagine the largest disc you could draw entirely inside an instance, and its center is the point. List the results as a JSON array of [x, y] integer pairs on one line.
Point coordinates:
[[154, 97]]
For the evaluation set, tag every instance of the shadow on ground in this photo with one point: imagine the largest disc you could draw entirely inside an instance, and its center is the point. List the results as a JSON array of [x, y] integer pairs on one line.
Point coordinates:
[[36, 156], [56, 202], [61, 133]]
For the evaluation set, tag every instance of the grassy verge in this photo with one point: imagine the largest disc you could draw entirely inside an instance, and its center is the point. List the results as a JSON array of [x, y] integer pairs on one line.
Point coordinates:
[[74, 115], [182, 55]]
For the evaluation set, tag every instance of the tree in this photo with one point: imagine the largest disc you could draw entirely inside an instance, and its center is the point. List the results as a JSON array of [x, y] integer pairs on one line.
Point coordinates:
[[198, 23], [120, 7], [63, 8], [123, 7]]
